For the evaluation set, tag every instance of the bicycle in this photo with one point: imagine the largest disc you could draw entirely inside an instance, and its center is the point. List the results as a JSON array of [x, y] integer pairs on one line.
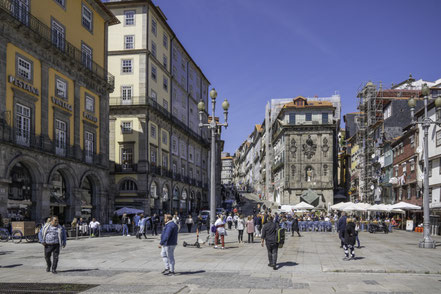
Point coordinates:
[[5, 236]]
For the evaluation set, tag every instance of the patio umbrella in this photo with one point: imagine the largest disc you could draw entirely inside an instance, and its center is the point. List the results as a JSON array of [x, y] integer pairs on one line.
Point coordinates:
[[128, 210], [303, 205], [405, 206], [341, 205], [354, 207], [379, 207]]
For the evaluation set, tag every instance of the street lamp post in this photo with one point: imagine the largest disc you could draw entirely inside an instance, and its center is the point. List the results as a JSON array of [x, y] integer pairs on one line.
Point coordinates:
[[426, 122], [213, 127]]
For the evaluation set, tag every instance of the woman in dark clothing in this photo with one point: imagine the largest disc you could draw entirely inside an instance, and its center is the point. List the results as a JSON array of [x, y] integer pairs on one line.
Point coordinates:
[[349, 237], [295, 227]]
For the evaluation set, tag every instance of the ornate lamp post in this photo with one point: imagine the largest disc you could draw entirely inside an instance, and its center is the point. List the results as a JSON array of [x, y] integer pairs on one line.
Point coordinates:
[[426, 122], [213, 126]]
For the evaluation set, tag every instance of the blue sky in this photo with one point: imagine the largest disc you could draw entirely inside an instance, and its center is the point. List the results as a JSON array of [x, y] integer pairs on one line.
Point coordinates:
[[256, 50]]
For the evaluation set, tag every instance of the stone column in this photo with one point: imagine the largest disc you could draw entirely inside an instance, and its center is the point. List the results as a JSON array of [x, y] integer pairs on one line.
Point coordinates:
[[4, 197], [3, 43], [143, 146], [42, 200], [104, 129], [76, 201]]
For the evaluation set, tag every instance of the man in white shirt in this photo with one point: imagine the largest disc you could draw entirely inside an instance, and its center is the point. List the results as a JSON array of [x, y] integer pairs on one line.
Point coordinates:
[[94, 226]]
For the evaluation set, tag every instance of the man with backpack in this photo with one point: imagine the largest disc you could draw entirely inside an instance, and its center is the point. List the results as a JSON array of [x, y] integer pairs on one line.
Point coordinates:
[[272, 235]]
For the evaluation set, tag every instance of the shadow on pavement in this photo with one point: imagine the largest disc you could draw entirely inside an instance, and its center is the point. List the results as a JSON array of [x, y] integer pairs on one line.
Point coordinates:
[[5, 252], [190, 273], [78, 270], [359, 258], [11, 265], [287, 263]]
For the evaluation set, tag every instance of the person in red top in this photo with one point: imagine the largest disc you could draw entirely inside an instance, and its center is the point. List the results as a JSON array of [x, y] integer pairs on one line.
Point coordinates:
[[235, 210]]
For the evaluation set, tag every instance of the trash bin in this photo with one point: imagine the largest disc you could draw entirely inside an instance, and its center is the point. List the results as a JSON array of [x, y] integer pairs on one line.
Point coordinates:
[[434, 224]]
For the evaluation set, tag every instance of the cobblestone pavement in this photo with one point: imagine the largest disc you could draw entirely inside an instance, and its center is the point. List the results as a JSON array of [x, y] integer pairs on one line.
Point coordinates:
[[311, 264]]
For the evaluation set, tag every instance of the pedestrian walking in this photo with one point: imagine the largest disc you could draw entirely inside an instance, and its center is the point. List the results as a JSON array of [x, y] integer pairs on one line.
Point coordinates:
[[250, 229], [269, 235], [125, 225], [199, 223], [136, 219], [357, 230], [94, 227], [349, 237], [155, 222], [208, 225], [189, 222], [142, 227], [220, 232], [230, 221], [235, 218], [295, 227], [341, 227], [177, 221], [169, 240], [52, 236], [240, 228]]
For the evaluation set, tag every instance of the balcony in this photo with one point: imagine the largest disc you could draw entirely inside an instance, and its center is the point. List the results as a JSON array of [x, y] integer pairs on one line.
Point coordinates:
[[155, 169], [126, 167], [21, 14]]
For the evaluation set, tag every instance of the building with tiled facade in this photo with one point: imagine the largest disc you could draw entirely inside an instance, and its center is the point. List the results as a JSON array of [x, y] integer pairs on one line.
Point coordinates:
[[160, 154], [54, 89]]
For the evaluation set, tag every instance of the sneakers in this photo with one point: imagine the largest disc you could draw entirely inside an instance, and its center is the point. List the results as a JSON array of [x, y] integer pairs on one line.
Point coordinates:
[[128, 235], [171, 273], [48, 269], [165, 272], [223, 248], [346, 258], [215, 247], [275, 267]]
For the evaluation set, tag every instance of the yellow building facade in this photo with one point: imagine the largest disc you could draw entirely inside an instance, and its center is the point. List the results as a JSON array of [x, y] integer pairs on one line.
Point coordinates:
[[54, 89]]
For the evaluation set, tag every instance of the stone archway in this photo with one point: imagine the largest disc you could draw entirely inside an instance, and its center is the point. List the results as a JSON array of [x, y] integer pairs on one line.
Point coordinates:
[[24, 191], [90, 198], [61, 184], [155, 201]]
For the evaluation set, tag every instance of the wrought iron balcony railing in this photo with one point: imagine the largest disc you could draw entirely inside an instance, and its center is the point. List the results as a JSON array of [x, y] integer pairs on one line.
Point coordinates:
[[20, 12]]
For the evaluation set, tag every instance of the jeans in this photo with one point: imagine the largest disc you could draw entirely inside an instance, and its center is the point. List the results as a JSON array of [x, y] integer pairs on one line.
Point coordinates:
[[250, 237], [358, 240], [349, 249], [341, 237], [48, 250], [257, 227], [272, 253], [125, 229], [189, 227], [168, 256], [155, 230], [94, 231], [216, 239], [240, 235], [297, 231]]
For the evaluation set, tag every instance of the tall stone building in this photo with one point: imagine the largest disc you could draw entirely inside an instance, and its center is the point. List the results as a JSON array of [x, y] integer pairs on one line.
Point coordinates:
[[54, 89], [304, 137], [160, 154]]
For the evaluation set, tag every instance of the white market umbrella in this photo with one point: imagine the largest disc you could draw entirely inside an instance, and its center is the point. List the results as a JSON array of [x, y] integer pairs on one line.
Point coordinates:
[[286, 208], [302, 206], [357, 207], [128, 210], [398, 211], [405, 206], [341, 205]]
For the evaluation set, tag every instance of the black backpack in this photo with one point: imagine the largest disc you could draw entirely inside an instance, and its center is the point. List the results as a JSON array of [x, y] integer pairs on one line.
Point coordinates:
[[280, 237]]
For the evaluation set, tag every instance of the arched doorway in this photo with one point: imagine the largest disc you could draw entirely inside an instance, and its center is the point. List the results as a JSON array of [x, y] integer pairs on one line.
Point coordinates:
[[165, 199], [88, 196], [21, 203], [175, 202], [192, 203], [59, 197], [154, 196], [198, 202], [183, 202]]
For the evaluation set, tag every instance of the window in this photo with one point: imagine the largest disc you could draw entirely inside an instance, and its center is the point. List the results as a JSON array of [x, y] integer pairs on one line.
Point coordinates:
[[404, 168], [128, 185], [126, 95], [183, 171], [126, 127], [127, 156], [387, 111], [430, 195], [154, 49], [165, 104], [438, 138], [309, 117], [86, 53], [165, 41], [60, 88], [129, 17], [164, 61], [154, 72], [439, 166], [165, 160], [164, 137], [58, 35], [174, 168], [87, 18], [129, 42], [154, 27], [175, 54], [412, 141], [89, 146], [153, 155], [90, 103], [20, 10], [165, 83], [126, 65], [430, 168], [153, 95], [409, 192], [24, 68], [396, 171], [153, 131], [23, 124], [292, 118], [60, 137], [61, 2], [412, 165], [174, 146], [325, 118]]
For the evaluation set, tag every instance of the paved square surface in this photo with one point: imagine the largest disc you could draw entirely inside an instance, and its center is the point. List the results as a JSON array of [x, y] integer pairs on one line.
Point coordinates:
[[390, 263]]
